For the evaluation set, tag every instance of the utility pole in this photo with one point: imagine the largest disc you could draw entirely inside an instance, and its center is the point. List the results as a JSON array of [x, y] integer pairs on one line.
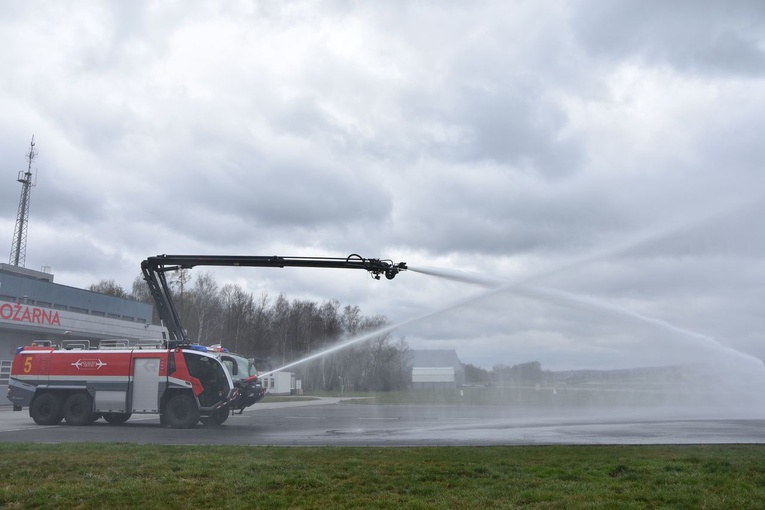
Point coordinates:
[[19, 246]]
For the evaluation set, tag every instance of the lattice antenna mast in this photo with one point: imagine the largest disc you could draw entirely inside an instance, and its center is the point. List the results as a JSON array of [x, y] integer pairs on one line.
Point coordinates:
[[19, 246]]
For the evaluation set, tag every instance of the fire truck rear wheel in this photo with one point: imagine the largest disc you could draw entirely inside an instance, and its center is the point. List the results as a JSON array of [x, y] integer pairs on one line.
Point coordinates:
[[46, 409], [181, 412], [78, 409]]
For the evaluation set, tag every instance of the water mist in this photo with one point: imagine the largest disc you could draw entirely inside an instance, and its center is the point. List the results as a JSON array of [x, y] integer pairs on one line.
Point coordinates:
[[732, 365]]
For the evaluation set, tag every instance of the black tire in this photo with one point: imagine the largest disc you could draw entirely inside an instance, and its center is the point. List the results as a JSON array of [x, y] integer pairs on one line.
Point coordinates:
[[218, 417], [116, 418], [46, 409], [78, 409], [181, 412]]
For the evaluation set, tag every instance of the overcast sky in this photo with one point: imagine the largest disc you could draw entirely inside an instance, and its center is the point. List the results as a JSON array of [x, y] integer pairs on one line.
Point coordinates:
[[602, 159]]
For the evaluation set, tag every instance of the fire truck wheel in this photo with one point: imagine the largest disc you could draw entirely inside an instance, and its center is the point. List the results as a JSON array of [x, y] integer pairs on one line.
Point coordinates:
[[116, 418], [78, 409], [181, 412], [216, 418], [46, 409]]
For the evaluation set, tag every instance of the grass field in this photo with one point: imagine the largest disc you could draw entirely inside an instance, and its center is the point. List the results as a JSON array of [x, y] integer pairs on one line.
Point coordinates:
[[85, 476]]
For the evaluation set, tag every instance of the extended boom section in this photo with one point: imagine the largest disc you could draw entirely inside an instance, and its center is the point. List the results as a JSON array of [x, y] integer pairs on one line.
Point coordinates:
[[154, 269]]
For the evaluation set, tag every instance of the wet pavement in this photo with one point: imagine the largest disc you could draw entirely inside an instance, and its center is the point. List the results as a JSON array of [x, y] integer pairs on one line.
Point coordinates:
[[329, 421]]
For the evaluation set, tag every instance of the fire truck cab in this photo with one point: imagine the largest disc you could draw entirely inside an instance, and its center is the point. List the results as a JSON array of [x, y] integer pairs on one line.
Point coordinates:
[[245, 376], [183, 385]]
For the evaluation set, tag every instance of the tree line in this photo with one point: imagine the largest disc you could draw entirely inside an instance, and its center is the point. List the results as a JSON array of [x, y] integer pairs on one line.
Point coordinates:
[[283, 331], [523, 373]]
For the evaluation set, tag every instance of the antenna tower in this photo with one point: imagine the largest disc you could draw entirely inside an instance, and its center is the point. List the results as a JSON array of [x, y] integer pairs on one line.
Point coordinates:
[[19, 246]]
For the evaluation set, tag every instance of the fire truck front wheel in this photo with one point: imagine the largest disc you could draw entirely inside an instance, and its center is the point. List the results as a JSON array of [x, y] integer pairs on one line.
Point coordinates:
[[181, 412], [78, 409], [46, 409], [116, 418], [218, 417]]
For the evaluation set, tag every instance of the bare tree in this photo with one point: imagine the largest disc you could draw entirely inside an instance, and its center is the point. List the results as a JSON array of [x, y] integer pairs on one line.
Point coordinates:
[[238, 311], [140, 290], [259, 329], [280, 330], [142, 293], [110, 288], [351, 319], [205, 309], [178, 283]]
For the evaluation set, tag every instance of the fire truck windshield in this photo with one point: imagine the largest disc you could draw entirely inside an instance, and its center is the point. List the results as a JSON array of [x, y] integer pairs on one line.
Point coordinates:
[[239, 367]]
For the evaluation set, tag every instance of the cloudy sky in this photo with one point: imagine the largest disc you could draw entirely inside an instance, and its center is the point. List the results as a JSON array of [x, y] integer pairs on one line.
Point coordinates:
[[602, 161]]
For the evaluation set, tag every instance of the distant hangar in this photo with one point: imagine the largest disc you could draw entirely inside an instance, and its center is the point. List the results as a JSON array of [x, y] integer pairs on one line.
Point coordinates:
[[437, 368]]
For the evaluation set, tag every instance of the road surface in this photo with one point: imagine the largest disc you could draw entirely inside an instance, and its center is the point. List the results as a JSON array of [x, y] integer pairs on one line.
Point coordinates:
[[330, 421]]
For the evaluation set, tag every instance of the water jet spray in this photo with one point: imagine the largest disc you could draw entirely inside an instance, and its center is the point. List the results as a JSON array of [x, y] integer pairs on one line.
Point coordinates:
[[578, 301]]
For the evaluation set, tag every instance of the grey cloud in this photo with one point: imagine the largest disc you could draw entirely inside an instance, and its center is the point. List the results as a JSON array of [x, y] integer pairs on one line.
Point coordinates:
[[225, 206], [698, 36], [516, 126], [716, 232], [467, 216]]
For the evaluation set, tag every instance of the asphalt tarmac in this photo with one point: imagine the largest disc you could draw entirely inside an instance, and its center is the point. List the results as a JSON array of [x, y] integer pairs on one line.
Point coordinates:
[[332, 422]]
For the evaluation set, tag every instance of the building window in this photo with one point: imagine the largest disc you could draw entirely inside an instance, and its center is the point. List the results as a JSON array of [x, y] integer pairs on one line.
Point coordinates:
[[5, 371]]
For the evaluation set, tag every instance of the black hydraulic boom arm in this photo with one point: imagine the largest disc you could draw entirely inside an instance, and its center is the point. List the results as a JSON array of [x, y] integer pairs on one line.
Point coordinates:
[[154, 269]]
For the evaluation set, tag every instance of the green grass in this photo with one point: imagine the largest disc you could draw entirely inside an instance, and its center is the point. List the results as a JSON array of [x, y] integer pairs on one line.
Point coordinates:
[[84, 476]]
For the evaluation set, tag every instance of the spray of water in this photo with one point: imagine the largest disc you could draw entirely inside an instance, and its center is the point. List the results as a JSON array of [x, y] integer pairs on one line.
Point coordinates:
[[445, 273], [458, 276], [699, 339], [381, 331], [571, 299], [337, 347], [520, 286], [497, 287]]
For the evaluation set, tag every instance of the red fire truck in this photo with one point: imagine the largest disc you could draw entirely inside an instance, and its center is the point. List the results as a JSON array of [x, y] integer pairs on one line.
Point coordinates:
[[79, 385], [182, 382]]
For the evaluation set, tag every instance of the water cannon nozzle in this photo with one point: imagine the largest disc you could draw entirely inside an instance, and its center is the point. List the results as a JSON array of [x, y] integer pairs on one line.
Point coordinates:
[[377, 267], [393, 270]]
